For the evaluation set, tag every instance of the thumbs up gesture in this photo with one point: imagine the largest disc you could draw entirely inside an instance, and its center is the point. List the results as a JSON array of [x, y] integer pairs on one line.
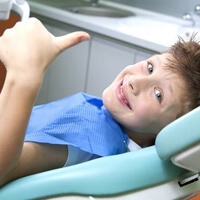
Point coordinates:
[[29, 47]]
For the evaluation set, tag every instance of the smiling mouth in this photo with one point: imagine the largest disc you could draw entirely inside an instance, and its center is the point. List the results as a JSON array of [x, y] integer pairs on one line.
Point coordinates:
[[121, 96]]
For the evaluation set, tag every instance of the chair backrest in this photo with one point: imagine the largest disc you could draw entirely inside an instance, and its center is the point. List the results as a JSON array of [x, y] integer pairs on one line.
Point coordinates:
[[180, 141]]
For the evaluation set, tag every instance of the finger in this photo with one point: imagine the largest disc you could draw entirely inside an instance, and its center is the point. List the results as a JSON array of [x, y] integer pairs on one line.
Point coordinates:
[[69, 40]]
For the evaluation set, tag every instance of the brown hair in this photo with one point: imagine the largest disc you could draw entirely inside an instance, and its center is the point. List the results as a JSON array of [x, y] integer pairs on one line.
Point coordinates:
[[185, 61]]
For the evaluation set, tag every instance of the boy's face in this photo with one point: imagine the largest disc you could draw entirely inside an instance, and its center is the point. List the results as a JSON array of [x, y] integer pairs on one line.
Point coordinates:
[[145, 97]]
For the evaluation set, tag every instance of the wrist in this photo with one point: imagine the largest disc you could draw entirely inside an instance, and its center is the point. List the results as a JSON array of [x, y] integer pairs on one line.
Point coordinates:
[[28, 82]]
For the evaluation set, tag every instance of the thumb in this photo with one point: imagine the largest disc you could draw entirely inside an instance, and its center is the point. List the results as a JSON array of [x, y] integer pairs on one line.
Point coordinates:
[[69, 40]]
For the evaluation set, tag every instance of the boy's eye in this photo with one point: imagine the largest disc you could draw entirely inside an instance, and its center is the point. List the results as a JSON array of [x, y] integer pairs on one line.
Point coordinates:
[[150, 68], [158, 95]]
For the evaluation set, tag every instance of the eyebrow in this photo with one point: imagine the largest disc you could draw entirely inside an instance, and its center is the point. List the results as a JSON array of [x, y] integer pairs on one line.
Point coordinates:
[[170, 87], [157, 62], [170, 84]]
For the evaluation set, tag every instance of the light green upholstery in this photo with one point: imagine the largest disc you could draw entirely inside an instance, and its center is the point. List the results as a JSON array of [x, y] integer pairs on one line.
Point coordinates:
[[105, 176], [179, 135]]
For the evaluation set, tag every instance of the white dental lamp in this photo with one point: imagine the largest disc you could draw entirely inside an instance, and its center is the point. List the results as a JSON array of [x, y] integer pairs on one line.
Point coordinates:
[[21, 7]]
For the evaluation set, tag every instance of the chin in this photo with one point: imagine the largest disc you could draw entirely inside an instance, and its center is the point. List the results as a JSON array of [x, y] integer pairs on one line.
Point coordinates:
[[107, 98]]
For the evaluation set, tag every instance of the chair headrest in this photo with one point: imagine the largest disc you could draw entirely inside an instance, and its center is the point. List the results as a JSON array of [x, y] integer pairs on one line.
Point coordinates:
[[179, 136]]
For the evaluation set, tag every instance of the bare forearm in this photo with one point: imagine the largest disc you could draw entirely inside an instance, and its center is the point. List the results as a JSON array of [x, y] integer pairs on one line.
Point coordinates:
[[16, 101], [25, 73]]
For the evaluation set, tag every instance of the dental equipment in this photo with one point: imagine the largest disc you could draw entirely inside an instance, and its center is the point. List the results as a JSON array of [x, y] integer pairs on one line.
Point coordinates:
[[21, 7], [11, 11]]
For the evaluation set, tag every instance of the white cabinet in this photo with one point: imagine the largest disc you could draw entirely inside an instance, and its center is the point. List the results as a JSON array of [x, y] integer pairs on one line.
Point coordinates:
[[142, 55], [67, 74], [107, 59]]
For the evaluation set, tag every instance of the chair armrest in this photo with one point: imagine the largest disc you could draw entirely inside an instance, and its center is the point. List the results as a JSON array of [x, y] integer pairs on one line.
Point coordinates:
[[104, 176]]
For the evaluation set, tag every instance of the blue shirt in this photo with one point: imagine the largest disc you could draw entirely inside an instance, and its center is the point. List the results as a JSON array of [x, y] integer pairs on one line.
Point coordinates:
[[80, 120]]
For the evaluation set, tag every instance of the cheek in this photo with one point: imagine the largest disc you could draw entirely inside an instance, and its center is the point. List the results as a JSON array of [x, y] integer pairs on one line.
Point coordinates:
[[142, 114], [144, 109], [145, 117]]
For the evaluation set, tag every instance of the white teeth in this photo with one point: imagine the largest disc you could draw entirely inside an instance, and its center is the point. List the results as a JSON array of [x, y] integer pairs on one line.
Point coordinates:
[[123, 96], [121, 92]]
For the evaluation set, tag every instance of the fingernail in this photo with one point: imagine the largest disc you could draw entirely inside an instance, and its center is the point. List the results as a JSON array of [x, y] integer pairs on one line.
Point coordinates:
[[85, 37]]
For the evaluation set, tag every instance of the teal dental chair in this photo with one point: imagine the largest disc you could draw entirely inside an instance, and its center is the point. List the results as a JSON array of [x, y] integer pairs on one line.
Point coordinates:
[[168, 170]]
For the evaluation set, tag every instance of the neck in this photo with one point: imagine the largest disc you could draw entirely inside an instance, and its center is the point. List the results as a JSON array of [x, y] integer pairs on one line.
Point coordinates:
[[142, 139]]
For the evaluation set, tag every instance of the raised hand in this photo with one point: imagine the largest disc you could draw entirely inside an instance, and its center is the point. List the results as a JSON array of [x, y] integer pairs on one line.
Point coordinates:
[[28, 47], [25, 50]]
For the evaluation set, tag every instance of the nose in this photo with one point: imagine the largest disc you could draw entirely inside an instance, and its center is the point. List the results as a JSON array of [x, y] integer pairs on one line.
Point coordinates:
[[139, 83]]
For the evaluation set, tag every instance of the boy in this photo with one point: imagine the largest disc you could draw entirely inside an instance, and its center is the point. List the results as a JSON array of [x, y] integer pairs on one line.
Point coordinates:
[[143, 99]]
